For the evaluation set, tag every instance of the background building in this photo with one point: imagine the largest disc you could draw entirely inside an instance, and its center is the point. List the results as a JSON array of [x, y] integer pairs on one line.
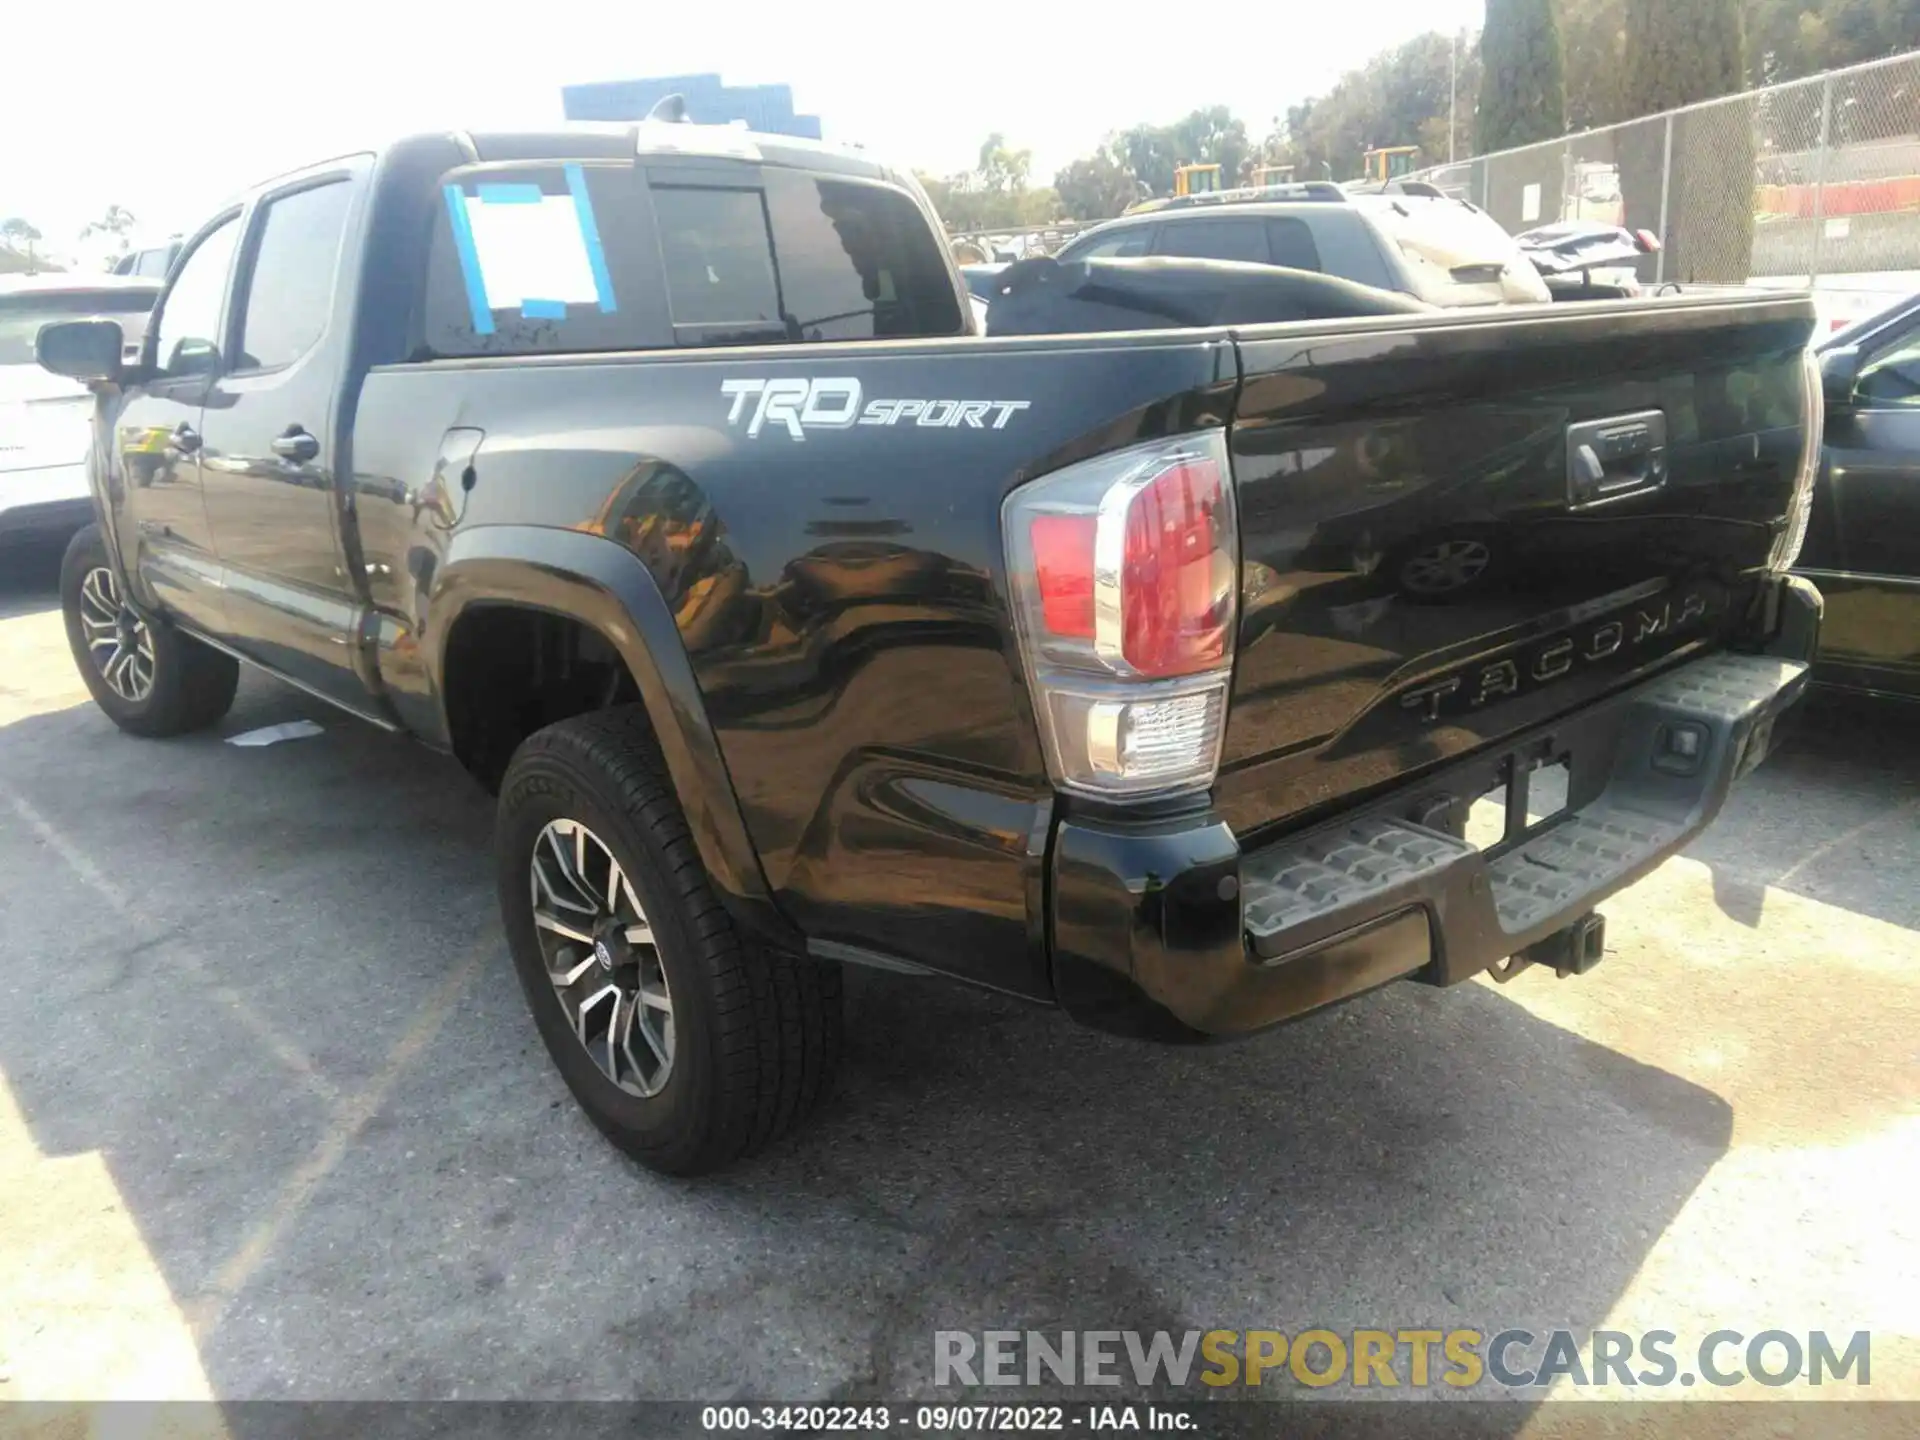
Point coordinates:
[[766, 108]]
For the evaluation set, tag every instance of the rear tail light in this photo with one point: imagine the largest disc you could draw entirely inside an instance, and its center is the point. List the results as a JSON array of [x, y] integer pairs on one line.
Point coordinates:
[[1647, 241], [1813, 416], [1125, 575]]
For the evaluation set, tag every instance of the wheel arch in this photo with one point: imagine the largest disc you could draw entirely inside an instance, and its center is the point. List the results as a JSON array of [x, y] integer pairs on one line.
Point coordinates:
[[609, 591]]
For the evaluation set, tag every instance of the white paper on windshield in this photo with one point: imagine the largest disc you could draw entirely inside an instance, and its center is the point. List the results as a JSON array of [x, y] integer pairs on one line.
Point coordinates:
[[531, 250]]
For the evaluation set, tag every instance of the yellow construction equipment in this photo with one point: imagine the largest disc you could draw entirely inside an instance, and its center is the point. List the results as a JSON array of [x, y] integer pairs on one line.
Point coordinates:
[[1272, 177], [1391, 162], [1196, 180]]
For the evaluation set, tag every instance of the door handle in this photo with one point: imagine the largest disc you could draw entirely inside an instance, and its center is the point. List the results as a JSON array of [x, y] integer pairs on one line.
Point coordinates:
[[296, 445], [185, 438]]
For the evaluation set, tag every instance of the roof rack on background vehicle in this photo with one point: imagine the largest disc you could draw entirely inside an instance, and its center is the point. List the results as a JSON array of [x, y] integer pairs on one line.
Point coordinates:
[[1324, 190]]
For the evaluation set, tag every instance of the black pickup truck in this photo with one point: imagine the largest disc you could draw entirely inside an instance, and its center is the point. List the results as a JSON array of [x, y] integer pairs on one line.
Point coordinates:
[[658, 474]]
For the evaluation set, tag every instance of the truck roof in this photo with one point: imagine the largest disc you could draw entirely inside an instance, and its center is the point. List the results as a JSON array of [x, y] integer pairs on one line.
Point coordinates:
[[639, 139]]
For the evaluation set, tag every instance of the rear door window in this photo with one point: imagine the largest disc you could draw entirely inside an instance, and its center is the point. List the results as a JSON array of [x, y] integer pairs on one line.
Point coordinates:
[[648, 257], [717, 248], [1290, 242], [1121, 244], [858, 261], [1237, 239]]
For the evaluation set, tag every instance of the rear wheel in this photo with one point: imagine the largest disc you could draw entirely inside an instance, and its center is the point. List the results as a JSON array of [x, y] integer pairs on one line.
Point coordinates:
[[688, 1044], [147, 676]]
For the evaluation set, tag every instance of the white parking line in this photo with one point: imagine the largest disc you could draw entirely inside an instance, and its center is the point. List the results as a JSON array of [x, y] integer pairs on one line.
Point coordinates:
[[263, 1029], [206, 1310]]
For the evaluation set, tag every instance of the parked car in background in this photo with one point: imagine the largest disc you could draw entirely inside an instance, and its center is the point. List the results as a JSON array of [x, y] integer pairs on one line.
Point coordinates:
[[1863, 540], [150, 262], [1581, 260], [982, 280], [46, 421], [1436, 249], [983, 283]]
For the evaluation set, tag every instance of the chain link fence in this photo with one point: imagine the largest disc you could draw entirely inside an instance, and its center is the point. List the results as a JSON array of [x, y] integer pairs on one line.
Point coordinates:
[[1813, 178]]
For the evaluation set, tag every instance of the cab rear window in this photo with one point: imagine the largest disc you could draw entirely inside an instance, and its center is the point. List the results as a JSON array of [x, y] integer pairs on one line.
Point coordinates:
[[567, 258]]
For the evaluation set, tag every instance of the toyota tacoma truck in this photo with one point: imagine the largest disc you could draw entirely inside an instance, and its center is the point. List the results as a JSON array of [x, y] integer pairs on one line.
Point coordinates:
[[658, 473]]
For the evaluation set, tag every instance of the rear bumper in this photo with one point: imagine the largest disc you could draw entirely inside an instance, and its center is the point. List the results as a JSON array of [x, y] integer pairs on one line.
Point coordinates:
[[1169, 930]]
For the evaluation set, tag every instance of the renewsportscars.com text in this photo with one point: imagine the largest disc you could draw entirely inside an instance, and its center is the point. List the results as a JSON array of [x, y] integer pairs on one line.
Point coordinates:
[[1462, 1359]]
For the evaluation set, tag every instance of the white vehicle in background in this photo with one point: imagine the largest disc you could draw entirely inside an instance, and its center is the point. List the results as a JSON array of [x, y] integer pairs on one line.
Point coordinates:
[[149, 262], [46, 422], [1455, 252]]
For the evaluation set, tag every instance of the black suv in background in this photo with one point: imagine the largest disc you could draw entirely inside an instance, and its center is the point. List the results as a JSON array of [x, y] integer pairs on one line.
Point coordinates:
[[1863, 545], [1440, 250]]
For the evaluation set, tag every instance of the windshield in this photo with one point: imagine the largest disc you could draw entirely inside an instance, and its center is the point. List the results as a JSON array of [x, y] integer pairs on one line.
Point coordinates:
[[21, 316]]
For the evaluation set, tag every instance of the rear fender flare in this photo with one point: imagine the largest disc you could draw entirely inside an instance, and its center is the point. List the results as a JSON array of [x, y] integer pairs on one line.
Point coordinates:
[[605, 586]]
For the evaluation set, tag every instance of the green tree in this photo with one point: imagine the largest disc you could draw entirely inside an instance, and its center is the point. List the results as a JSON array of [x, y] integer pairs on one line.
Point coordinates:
[[118, 222], [1787, 39], [1097, 187], [1214, 136], [1522, 85], [1399, 97], [1680, 52], [994, 195], [1593, 37], [1150, 153], [19, 237], [1002, 171]]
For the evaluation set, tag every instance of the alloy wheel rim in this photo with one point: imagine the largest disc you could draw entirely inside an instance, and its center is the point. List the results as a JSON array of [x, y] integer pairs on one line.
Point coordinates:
[[1449, 565], [119, 642], [601, 958]]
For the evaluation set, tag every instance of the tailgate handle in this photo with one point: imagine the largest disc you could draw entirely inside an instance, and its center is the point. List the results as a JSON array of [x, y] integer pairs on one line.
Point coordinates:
[[1610, 459]]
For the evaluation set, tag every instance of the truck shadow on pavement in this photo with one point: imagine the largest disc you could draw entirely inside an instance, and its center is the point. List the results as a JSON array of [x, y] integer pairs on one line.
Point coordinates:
[[29, 578], [268, 987], [1834, 815]]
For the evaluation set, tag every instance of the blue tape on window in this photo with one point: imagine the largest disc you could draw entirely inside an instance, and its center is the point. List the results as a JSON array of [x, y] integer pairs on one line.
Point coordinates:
[[495, 193], [544, 309], [469, 260], [590, 232]]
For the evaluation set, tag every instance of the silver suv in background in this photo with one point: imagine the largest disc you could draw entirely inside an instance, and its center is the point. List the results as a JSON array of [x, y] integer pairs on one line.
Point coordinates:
[[150, 262], [46, 421], [1436, 249]]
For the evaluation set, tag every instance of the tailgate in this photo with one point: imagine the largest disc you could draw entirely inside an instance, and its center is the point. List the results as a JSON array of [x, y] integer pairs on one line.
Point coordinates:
[[1455, 529]]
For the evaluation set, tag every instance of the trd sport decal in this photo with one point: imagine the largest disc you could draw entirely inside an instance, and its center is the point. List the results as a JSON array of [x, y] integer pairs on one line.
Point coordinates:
[[803, 405]]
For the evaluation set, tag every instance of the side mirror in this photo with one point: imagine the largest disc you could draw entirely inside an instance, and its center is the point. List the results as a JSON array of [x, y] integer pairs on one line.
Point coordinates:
[[86, 350], [1839, 374]]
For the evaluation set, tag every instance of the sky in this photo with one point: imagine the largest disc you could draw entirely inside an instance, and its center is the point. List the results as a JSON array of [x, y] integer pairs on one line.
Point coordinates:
[[169, 110]]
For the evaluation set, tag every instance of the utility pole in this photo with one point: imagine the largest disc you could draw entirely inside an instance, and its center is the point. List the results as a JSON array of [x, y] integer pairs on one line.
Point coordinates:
[[1453, 94]]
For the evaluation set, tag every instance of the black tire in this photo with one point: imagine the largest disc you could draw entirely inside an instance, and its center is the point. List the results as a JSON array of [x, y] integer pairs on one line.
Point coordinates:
[[757, 1033], [190, 686]]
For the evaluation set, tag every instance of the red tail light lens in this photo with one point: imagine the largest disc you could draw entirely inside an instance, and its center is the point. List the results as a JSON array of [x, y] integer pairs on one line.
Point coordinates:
[[1063, 569], [1125, 577], [1177, 583]]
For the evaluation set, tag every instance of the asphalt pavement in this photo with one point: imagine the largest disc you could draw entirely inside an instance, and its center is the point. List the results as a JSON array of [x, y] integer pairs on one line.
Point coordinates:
[[274, 1121]]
